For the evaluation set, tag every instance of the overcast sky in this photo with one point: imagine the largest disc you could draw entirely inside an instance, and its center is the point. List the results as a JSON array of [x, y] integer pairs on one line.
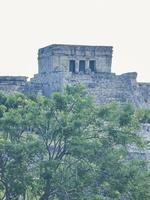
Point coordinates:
[[27, 25]]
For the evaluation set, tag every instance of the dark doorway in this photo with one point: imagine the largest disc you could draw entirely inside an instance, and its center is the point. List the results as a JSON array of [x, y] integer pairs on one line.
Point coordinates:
[[82, 66], [72, 66], [92, 65]]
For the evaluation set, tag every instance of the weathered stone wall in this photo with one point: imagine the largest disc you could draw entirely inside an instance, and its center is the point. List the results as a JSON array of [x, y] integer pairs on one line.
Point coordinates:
[[57, 57], [145, 91], [104, 87], [108, 87], [50, 82], [11, 84]]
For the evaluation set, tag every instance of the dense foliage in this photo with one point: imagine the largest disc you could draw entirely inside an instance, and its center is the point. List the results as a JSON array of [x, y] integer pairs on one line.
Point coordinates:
[[67, 148]]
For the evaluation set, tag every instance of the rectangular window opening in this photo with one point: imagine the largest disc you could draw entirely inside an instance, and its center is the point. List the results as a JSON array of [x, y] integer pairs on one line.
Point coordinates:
[[92, 65], [82, 66], [72, 66]]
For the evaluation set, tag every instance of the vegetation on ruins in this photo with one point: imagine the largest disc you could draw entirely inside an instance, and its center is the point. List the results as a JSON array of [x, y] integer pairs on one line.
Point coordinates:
[[68, 148]]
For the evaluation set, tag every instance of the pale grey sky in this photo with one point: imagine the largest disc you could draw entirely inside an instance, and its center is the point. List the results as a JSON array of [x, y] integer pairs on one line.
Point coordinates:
[[26, 25]]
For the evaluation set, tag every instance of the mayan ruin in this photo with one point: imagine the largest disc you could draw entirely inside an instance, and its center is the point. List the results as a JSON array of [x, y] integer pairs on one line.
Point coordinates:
[[59, 65]]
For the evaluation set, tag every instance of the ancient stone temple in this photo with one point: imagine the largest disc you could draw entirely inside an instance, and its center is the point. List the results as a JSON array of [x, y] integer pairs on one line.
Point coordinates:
[[75, 59], [59, 65]]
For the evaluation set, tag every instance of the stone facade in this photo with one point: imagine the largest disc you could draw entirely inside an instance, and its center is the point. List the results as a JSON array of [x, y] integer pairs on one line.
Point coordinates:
[[108, 88], [75, 58], [11, 84], [91, 66], [59, 65]]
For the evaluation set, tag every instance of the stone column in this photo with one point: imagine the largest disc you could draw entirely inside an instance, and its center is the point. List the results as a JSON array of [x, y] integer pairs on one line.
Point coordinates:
[[86, 66], [77, 66]]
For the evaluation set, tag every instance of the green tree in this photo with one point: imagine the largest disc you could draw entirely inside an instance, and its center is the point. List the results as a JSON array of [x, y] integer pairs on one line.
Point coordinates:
[[69, 148]]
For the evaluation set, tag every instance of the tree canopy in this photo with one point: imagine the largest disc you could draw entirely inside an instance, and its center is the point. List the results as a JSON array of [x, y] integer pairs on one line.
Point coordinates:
[[68, 148]]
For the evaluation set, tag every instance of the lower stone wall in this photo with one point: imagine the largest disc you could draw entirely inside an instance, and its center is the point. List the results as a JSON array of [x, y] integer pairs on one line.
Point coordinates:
[[104, 87], [50, 82], [11, 84], [109, 87], [145, 91]]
